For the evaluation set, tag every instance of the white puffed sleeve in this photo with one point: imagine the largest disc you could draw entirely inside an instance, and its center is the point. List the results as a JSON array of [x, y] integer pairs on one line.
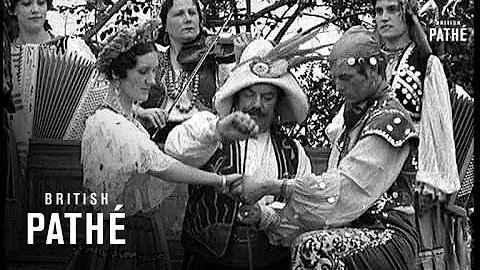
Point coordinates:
[[116, 155], [194, 141], [436, 152]]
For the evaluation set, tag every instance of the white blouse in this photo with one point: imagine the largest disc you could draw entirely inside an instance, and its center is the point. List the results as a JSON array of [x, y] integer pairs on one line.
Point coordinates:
[[116, 154]]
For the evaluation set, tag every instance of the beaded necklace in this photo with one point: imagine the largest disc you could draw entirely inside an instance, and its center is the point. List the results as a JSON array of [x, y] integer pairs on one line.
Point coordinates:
[[174, 87]]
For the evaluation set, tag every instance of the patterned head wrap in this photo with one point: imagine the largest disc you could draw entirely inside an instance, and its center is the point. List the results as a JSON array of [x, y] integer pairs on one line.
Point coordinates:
[[355, 46], [123, 40]]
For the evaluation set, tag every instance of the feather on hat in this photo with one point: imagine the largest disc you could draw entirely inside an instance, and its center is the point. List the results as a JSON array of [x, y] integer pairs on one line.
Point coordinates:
[[261, 62]]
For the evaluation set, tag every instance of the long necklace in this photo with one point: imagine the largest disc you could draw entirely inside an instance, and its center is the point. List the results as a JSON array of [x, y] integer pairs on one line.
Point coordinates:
[[174, 87]]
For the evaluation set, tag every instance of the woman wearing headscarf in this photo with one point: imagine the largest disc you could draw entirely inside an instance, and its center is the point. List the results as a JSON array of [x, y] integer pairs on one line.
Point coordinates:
[[119, 158]]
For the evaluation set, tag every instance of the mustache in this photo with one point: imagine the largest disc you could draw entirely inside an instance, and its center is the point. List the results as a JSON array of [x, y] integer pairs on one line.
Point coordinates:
[[254, 112]]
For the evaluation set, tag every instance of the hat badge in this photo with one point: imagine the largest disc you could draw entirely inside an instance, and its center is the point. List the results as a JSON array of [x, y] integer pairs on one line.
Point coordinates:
[[260, 68]]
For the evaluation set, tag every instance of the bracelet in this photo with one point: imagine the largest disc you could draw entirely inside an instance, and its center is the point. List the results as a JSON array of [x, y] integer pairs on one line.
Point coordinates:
[[224, 184]]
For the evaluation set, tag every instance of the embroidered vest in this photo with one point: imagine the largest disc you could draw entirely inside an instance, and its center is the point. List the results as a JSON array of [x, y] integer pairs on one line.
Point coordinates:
[[387, 119], [407, 79], [209, 216]]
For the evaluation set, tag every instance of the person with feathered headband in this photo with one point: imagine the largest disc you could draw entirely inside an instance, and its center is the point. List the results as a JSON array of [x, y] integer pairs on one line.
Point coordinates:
[[119, 159], [418, 79]]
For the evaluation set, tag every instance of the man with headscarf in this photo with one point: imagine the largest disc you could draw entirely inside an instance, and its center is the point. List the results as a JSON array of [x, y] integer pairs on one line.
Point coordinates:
[[367, 191], [419, 82], [259, 94]]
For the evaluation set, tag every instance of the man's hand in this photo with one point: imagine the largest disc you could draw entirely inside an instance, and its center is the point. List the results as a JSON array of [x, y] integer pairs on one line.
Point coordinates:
[[250, 214], [157, 117], [237, 126], [250, 190]]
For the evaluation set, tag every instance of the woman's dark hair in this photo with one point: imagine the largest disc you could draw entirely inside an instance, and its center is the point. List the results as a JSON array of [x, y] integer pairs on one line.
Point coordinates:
[[167, 5], [128, 60]]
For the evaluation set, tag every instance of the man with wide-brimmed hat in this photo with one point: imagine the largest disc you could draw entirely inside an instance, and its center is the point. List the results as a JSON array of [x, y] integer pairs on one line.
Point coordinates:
[[259, 94]]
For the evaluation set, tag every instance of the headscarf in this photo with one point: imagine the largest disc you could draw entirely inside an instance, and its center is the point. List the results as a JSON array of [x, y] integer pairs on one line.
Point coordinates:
[[358, 46]]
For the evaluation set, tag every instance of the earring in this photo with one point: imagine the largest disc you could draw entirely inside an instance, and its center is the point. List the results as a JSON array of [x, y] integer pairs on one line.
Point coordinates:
[[165, 38]]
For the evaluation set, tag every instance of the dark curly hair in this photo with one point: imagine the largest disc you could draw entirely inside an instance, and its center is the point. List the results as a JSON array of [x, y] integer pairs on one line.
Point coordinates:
[[128, 60]]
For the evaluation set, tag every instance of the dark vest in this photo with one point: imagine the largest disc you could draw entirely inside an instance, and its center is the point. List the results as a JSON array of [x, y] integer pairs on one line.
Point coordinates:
[[209, 216], [387, 119], [408, 79]]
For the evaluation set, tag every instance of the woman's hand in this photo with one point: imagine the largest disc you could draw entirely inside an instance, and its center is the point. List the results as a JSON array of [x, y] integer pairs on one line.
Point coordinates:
[[157, 117], [228, 181]]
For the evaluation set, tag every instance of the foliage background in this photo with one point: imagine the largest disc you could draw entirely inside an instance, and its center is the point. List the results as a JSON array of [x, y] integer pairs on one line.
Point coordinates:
[[276, 19]]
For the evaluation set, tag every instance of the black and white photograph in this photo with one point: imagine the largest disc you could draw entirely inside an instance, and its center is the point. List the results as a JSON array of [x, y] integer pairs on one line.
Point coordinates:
[[238, 134]]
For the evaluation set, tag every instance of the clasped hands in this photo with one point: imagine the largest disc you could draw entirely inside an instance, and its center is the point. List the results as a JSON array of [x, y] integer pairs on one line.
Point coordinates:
[[248, 190]]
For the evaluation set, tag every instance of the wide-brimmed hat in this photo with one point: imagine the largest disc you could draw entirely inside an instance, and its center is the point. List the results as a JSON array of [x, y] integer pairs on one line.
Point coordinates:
[[257, 67]]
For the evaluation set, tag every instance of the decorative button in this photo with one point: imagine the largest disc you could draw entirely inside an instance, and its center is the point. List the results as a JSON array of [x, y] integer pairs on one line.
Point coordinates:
[[331, 200], [404, 102], [420, 92], [415, 86], [404, 91], [417, 108], [417, 73], [397, 120], [407, 131], [411, 67], [322, 185], [351, 61], [395, 195], [414, 102], [408, 79], [389, 127], [408, 96]]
